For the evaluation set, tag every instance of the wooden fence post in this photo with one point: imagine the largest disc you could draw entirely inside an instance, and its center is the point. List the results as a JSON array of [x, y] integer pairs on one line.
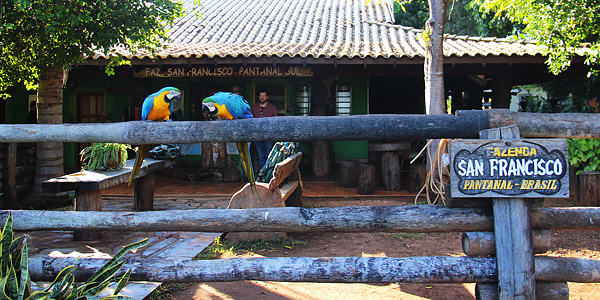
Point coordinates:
[[512, 229], [10, 173]]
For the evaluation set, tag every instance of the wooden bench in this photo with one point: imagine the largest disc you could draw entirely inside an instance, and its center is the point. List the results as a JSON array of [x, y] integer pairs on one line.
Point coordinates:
[[88, 186], [284, 189]]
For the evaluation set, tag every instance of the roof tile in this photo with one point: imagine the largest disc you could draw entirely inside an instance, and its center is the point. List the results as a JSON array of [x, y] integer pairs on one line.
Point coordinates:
[[302, 28]]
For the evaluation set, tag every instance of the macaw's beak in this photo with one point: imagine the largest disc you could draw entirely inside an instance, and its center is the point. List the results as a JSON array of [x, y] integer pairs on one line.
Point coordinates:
[[173, 96], [209, 110]]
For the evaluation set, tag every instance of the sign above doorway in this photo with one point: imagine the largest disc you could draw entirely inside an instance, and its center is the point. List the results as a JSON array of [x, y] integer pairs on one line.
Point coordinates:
[[225, 72]]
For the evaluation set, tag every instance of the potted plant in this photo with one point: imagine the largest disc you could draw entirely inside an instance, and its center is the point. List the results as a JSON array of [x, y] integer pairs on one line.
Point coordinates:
[[584, 157], [104, 156]]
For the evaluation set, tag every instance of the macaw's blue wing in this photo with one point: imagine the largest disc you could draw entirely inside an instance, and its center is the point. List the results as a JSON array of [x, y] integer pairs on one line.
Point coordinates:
[[237, 106], [231, 106]]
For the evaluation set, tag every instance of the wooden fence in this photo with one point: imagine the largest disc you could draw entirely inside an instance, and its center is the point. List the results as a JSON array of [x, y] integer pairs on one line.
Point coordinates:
[[550, 274]]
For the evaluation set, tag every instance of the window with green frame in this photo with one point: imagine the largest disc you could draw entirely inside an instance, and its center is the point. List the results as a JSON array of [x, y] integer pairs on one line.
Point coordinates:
[[303, 100]]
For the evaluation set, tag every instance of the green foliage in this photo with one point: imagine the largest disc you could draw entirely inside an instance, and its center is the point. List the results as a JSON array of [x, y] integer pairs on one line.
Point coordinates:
[[407, 235], [41, 35], [575, 88], [584, 154], [104, 156], [562, 26], [163, 291], [411, 13], [16, 284], [464, 18], [220, 248]]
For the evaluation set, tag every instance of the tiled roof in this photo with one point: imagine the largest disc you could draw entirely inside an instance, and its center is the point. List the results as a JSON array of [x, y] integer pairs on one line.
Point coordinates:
[[310, 28]]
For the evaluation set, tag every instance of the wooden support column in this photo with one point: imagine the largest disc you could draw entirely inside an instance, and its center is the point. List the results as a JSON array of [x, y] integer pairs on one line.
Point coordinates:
[[321, 99], [349, 173], [366, 179], [87, 201], [512, 229], [501, 85], [10, 172], [143, 192], [589, 188]]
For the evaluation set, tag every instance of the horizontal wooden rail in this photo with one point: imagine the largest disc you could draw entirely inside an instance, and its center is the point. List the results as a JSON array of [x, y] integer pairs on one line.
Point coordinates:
[[413, 218], [541, 125], [359, 127], [466, 124], [431, 269]]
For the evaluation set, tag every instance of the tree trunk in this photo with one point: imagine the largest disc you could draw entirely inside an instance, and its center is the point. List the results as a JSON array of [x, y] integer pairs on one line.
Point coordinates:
[[435, 100], [434, 59], [49, 155]]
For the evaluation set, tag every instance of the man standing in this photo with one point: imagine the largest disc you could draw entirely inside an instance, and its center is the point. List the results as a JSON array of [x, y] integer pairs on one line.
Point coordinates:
[[263, 109]]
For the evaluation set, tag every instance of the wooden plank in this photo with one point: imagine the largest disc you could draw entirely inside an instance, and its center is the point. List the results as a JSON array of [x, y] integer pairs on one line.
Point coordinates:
[[432, 269], [99, 180], [287, 189], [512, 229], [282, 170], [421, 218]]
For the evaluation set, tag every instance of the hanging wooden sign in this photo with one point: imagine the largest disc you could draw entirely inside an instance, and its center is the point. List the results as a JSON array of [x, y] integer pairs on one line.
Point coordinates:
[[225, 71], [517, 168]]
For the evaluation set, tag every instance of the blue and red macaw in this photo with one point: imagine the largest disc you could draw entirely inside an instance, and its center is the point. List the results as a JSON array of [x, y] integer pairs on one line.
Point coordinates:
[[229, 106], [156, 107]]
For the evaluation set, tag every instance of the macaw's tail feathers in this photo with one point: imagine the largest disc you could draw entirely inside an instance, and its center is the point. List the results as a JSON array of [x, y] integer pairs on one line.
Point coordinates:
[[244, 149], [139, 158]]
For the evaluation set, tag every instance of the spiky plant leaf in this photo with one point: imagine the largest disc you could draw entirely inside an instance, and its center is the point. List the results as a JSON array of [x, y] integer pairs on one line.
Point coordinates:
[[118, 256], [11, 286], [60, 277], [39, 295], [117, 297], [3, 295], [62, 287], [101, 281], [24, 288], [122, 282], [7, 237]]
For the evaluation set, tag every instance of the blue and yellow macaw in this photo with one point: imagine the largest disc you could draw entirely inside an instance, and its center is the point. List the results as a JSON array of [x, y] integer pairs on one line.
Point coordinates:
[[156, 107], [229, 106]]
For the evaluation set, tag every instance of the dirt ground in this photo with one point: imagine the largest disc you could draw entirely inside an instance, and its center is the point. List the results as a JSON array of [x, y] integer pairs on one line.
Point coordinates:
[[584, 244]]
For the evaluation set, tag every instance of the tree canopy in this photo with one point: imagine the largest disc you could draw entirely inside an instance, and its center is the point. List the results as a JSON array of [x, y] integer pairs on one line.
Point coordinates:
[[463, 18], [561, 25], [39, 35]]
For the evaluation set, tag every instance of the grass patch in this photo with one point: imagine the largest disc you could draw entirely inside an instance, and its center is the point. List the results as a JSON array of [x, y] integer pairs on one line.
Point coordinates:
[[406, 235], [224, 248], [163, 291], [313, 205]]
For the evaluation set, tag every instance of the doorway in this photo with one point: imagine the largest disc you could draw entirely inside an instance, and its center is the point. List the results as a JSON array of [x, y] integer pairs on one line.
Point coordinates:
[[276, 93]]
